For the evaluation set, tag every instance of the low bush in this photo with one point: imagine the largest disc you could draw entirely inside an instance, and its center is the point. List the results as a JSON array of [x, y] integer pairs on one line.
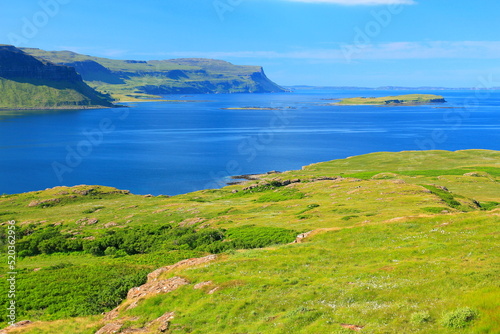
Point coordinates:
[[459, 318], [420, 317]]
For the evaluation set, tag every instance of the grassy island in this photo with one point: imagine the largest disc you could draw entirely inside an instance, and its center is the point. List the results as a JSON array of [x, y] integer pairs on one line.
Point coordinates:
[[251, 108], [408, 100]]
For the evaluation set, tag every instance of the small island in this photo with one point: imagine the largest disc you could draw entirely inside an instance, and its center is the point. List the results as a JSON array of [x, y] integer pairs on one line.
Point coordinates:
[[251, 108], [400, 100]]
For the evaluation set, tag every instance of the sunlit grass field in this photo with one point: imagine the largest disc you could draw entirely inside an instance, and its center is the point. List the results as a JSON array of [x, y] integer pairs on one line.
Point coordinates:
[[401, 243]]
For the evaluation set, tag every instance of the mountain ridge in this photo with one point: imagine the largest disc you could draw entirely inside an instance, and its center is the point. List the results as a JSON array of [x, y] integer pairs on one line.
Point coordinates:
[[125, 79]]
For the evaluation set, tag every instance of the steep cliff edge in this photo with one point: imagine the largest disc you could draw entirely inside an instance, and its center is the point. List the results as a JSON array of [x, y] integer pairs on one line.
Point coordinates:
[[125, 79], [29, 83]]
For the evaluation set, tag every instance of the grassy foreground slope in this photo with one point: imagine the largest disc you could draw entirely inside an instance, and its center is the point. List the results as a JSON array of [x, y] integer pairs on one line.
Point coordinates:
[[410, 99], [400, 243]]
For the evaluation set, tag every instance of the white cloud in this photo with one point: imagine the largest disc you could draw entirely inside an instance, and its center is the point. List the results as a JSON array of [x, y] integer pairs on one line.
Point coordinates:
[[361, 2]]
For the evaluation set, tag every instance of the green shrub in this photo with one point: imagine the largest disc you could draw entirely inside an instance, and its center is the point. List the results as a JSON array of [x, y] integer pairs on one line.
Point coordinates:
[[346, 218], [308, 208], [66, 290], [487, 206], [420, 317], [459, 318], [249, 236], [445, 196]]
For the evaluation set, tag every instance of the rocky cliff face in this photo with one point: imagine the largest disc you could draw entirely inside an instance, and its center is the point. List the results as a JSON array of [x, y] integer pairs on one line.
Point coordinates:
[[174, 76], [30, 83], [15, 64]]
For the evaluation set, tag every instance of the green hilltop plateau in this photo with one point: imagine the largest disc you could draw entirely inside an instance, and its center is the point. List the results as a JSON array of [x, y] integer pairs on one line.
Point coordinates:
[[30, 83], [381, 243], [400, 100], [132, 80]]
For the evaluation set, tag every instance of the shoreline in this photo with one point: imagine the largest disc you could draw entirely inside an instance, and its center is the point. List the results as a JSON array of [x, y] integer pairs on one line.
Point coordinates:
[[243, 178], [66, 108]]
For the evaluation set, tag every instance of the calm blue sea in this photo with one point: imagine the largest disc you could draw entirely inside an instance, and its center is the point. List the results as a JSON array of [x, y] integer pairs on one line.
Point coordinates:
[[172, 148]]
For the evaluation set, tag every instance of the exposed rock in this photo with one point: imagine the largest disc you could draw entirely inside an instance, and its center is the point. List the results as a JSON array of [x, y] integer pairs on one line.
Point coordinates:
[[133, 305], [22, 323], [324, 178], [191, 221], [84, 192], [111, 328], [38, 203], [110, 224], [214, 290], [184, 263], [152, 287], [16, 325], [300, 238], [253, 186], [164, 321], [440, 187], [156, 287], [202, 284], [352, 327], [92, 221], [113, 314]]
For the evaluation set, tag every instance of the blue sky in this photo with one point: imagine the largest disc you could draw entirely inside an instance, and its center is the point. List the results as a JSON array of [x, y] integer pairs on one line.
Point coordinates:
[[452, 43]]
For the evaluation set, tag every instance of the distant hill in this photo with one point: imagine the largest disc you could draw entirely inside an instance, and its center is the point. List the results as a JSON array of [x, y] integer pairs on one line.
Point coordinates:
[[132, 79], [29, 83]]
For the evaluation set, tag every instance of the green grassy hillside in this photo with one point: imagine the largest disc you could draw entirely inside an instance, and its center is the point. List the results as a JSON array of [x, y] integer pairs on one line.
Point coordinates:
[[40, 94], [411, 99], [397, 243], [128, 80]]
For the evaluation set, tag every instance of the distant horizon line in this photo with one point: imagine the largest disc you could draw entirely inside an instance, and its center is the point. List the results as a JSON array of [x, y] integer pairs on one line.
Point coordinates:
[[388, 87]]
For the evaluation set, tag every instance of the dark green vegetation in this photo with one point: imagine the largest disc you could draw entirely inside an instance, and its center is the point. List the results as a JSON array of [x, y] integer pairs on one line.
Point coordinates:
[[129, 80], [400, 243], [29, 83], [67, 290], [400, 100]]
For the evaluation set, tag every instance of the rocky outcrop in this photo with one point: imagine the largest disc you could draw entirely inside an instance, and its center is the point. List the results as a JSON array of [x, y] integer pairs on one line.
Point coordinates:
[[184, 263], [17, 65], [113, 323]]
